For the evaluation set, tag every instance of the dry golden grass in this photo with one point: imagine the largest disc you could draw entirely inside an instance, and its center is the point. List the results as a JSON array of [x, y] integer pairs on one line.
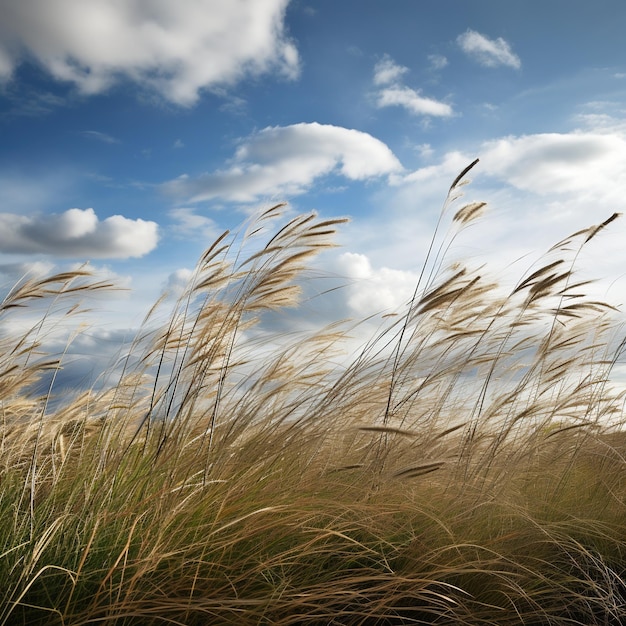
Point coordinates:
[[466, 466]]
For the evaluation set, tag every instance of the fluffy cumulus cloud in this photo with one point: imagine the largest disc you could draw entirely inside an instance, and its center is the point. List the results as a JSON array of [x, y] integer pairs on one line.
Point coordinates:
[[446, 170], [586, 164], [540, 188], [488, 52], [286, 160], [391, 91], [581, 164], [412, 101], [372, 291], [387, 71], [177, 282], [77, 233], [176, 48]]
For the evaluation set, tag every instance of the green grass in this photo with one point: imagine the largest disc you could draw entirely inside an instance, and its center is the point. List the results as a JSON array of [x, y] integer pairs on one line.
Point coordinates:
[[465, 467]]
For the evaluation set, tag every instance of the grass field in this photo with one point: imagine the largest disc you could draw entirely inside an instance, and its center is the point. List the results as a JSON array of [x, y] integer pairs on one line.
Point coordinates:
[[466, 466]]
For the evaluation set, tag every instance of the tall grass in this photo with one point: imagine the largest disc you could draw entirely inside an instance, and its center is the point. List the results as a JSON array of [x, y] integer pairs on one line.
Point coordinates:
[[465, 467]]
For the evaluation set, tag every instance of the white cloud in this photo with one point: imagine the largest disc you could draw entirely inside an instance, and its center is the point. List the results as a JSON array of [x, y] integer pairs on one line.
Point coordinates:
[[177, 282], [175, 48], [437, 61], [387, 71], [286, 160], [602, 123], [77, 233], [412, 101], [32, 269], [425, 150], [584, 164], [373, 291], [187, 223], [589, 164], [232, 104], [452, 163], [540, 188], [488, 52], [97, 135], [29, 101], [387, 75]]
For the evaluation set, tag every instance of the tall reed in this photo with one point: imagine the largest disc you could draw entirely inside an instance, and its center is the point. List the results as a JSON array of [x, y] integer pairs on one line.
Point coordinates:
[[465, 467]]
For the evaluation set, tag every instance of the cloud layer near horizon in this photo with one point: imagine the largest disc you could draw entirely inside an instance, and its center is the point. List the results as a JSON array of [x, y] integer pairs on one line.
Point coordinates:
[[540, 188], [286, 160], [588, 164], [77, 233], [175, 48], [584, 163]]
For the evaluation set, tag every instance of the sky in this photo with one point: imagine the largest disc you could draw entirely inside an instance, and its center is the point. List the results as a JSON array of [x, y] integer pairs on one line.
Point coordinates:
[[133, 132]]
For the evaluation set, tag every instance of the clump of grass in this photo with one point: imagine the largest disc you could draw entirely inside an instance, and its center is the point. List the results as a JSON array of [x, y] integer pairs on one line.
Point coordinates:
[[466, 466]]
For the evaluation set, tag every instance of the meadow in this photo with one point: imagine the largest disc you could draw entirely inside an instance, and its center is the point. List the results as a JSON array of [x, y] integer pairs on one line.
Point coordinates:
[[466, 465]]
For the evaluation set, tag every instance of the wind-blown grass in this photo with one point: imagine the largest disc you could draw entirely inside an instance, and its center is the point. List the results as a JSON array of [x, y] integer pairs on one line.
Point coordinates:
[[465, 467]]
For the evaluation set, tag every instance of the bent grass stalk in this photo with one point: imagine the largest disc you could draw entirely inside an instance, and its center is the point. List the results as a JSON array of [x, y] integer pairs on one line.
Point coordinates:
[[465, 467]]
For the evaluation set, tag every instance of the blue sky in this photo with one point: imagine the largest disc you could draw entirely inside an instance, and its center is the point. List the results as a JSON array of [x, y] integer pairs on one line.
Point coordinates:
[[132, 132]]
